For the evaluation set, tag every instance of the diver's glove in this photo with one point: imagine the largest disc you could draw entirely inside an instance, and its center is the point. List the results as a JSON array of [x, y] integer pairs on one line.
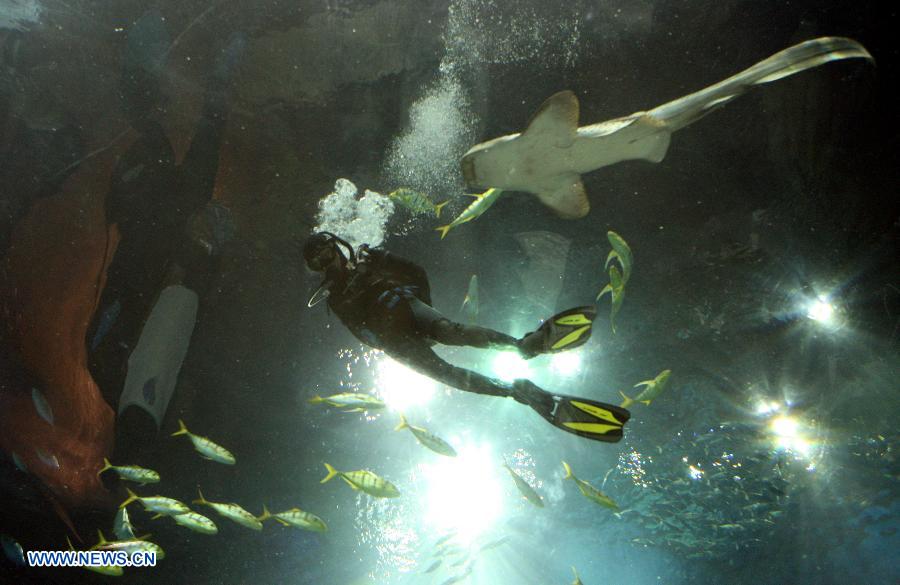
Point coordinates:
[[391, 297]]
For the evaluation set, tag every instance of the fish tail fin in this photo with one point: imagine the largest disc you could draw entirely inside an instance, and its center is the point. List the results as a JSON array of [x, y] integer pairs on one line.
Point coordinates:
[[201, 499], [331, 473], [131, 498], [403, 424], [265, 515], [606, 289], [439, 207], [182, 429], [106, 465], [647, 402], [443, 229], [627, 402], [102, 540], [316, 399], [568, 469]]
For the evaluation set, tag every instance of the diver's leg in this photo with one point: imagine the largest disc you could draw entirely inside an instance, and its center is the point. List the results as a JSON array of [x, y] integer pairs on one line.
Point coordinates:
[[431, 323], [422, 358]]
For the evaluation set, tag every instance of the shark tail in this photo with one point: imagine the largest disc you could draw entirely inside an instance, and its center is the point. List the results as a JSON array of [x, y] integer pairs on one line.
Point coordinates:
[[679, 113]]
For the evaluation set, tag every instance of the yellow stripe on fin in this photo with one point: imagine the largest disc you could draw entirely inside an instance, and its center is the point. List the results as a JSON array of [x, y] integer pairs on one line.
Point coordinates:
[[578, 319], [596, 428], [571, 337], [596, 411]]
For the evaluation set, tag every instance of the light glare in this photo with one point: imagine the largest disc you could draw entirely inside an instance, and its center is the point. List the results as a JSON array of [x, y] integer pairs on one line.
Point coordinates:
[[821, 310], [464, 493], [509, 366], [565, 364], [401, 387]]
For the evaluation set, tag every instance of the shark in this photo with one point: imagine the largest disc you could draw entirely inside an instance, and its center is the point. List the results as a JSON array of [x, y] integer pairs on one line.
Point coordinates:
[[549, 157]]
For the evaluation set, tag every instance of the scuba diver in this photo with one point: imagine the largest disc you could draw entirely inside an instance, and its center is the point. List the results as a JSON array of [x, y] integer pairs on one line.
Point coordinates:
[[385, 301]]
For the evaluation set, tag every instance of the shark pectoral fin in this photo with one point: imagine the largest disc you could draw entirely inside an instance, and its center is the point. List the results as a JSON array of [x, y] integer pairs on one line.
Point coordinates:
[[568, 199], [648, 139], [556, 121]]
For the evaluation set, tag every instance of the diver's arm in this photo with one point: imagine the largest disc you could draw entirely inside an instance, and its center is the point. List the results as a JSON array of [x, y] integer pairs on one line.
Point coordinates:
[[378, 259]]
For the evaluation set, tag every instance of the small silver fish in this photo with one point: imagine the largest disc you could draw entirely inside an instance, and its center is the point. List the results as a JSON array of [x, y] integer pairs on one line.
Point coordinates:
[[20, 465], [589, 491], [653, 388], [133, 473], [233, 512], [482, 203], [416, 202], [525, 488], [122, 525], [42, 406], [354, 401], [196, 522], [159, 504], [427, 439], [130, 546], [47, 459], [365, 481], [470, 303], [206, 448], [297, 518], [13, 550]]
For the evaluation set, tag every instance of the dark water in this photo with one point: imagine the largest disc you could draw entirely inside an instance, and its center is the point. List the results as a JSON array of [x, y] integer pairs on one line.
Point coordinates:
[[771, 457]]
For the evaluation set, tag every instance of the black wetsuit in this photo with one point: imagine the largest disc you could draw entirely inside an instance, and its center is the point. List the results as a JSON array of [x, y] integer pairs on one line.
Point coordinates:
[[385, 301]]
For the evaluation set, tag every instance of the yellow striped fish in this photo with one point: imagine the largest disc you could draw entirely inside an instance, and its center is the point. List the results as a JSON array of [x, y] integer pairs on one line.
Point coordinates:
[[233, 512], [589, 491], [206, 448], [297, 518], [364, 481]]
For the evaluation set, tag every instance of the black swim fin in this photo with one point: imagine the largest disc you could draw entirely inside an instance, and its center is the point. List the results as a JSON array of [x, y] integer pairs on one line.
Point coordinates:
[[561, 332], [580, 416]]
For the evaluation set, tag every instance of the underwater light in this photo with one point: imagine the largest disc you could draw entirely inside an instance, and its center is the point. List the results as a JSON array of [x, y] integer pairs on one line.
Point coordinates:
[[694, 472], [509, 366], [785, 427], [464, 493], [764, 408], [788, 437], [401, 387], [821, 310], [566, 363]]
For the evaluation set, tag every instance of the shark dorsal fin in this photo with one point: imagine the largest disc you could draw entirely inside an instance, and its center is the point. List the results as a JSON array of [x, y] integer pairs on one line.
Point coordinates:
[[556, 120]]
